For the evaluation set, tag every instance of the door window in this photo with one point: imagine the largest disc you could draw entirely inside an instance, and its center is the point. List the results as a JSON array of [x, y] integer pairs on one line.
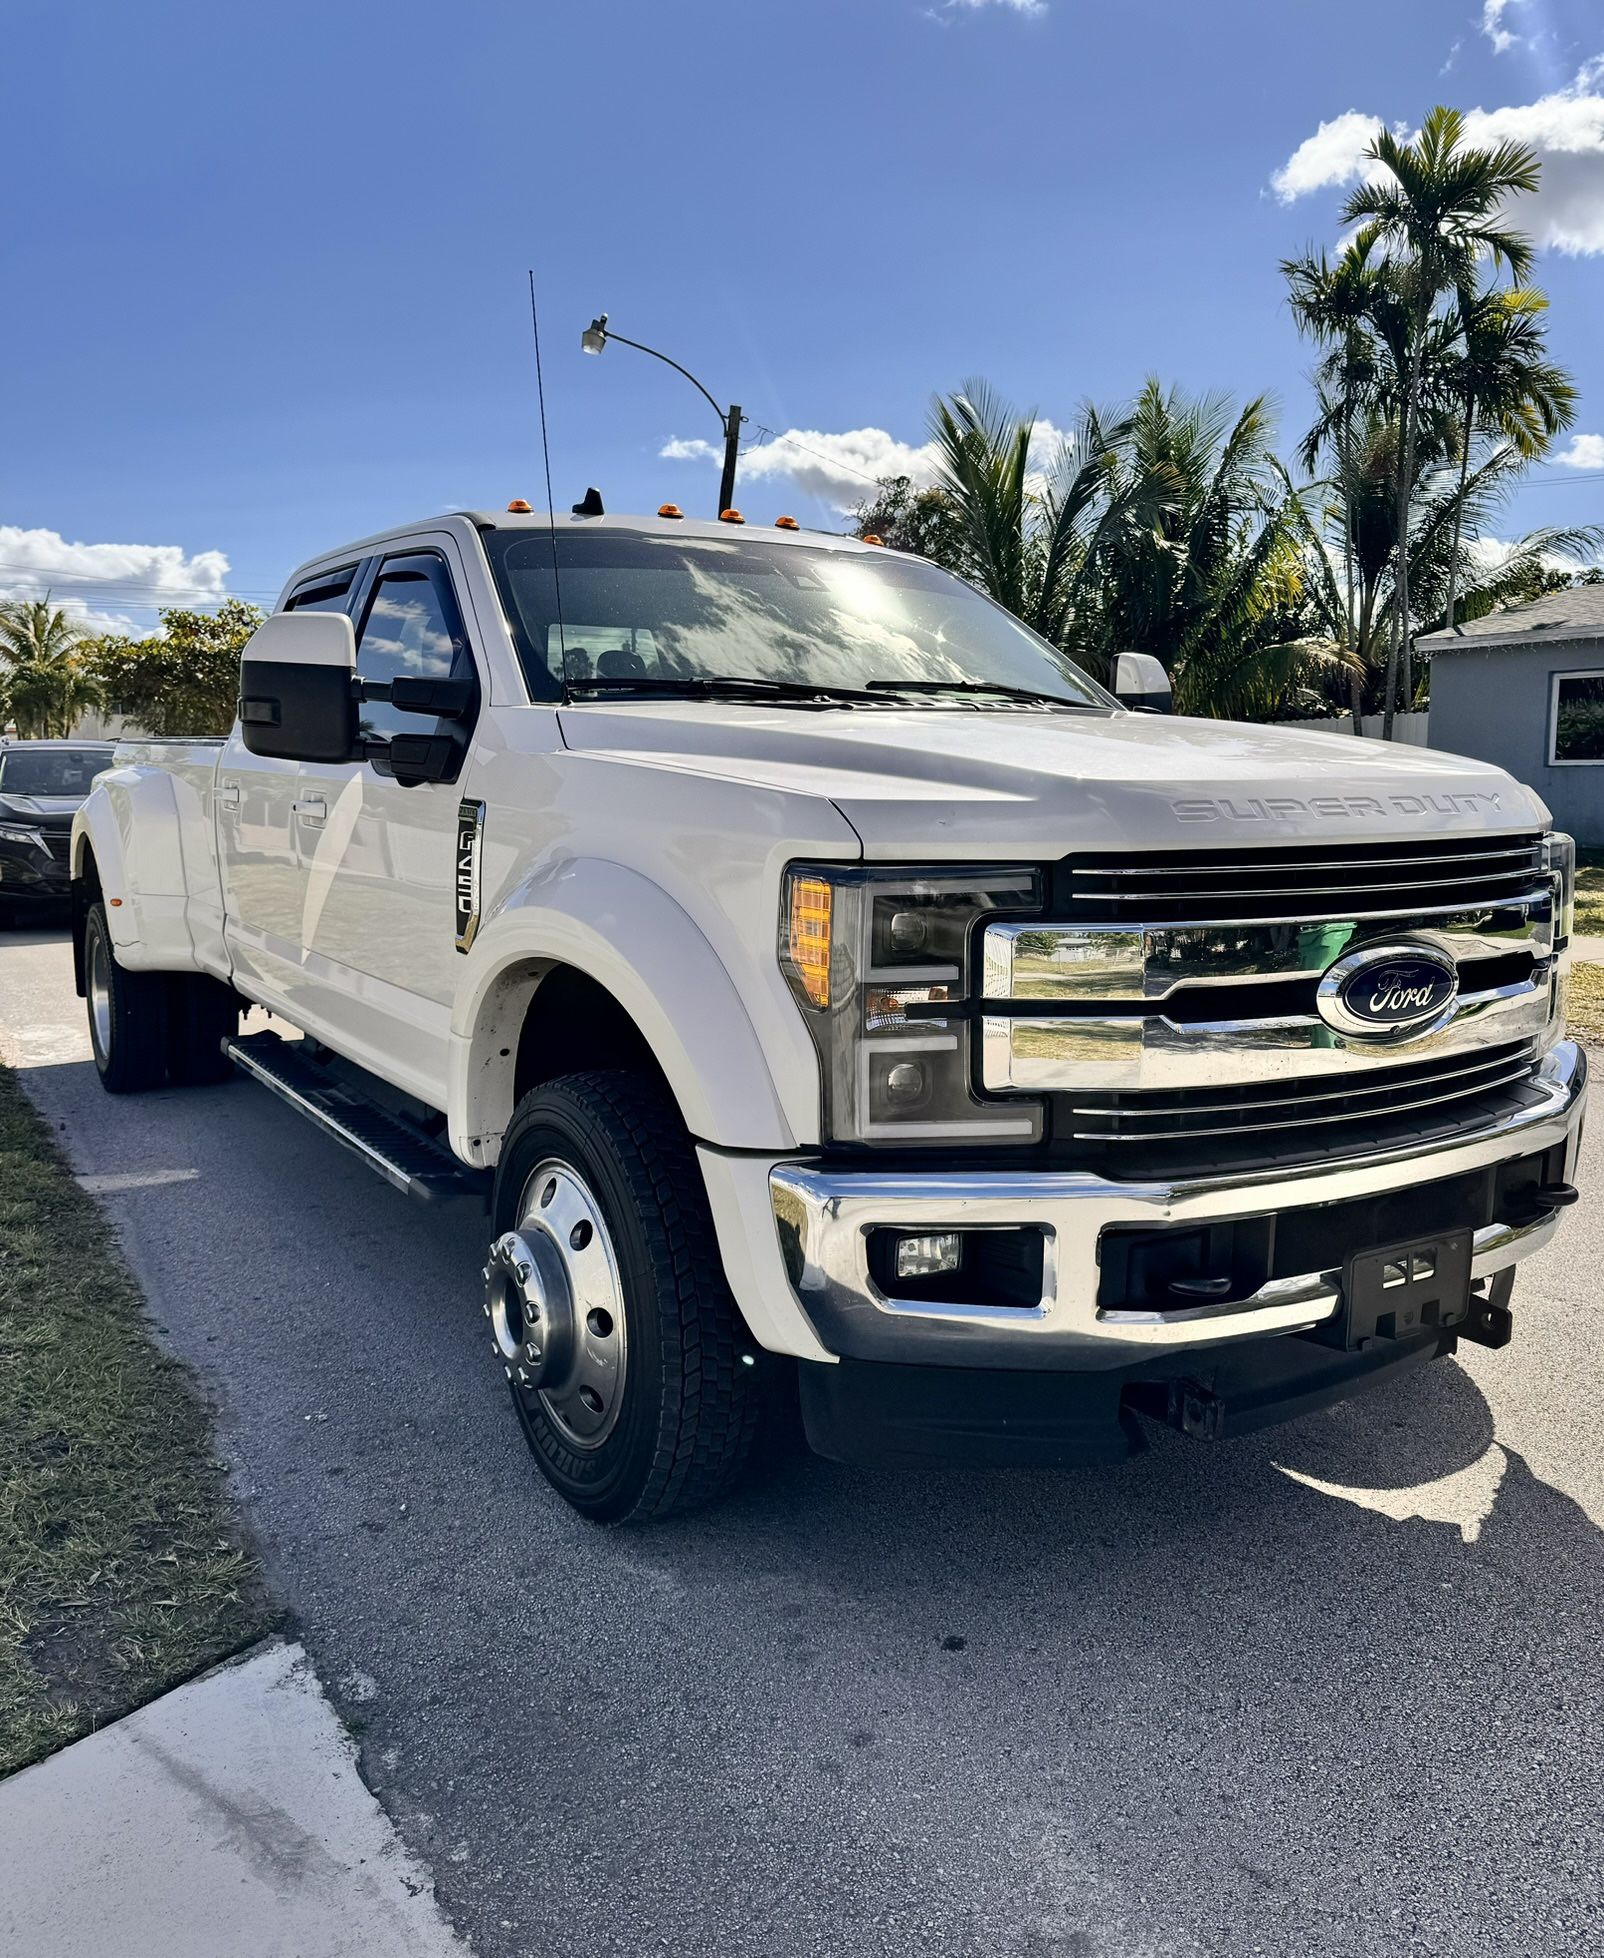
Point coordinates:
[[411, 630]]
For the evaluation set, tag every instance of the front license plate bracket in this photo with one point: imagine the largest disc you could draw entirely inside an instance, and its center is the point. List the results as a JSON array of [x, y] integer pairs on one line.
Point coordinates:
[[1404, 1290]]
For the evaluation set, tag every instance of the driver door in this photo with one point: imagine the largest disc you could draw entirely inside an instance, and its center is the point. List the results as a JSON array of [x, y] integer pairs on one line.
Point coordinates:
[[378, 860]]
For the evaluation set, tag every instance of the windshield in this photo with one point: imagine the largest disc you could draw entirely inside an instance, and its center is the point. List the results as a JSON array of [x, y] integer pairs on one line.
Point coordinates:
[[640, 610], [50, 771]]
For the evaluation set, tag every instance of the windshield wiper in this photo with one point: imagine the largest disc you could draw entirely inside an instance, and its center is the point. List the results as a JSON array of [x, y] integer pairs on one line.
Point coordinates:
[[711, 686], [992, 687]]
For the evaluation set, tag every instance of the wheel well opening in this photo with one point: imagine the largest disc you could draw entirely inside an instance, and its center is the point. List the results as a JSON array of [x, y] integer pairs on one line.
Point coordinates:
[[573, 1025], [85, 892]]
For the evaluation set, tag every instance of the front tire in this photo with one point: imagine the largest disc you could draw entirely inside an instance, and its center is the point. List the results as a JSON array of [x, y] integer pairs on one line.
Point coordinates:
[[634, 1378], [128, 1022]]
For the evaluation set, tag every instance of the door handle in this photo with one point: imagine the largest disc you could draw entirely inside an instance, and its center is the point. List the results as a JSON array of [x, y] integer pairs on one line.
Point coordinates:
[[311, 809], [227, 794]]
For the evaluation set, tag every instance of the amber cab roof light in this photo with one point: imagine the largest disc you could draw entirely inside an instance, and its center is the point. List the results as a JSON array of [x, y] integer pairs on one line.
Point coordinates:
[[786, 523], [518, 507], [730, 516], [871, 537], [669, 510]]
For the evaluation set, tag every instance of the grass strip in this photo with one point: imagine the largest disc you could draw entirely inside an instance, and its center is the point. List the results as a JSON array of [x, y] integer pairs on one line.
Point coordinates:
[[122, 1566], [1584, 1001], [1590, 892]]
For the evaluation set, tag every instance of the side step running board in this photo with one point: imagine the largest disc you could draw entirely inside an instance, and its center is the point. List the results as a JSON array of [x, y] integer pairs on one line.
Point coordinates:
[[398, 1150]]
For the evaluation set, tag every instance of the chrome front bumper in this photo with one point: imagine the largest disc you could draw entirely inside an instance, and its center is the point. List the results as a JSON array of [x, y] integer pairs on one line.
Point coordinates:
[[824, 1216]]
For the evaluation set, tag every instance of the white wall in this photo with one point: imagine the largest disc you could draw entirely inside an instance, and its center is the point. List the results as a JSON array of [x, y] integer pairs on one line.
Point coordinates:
[[1408, 728]]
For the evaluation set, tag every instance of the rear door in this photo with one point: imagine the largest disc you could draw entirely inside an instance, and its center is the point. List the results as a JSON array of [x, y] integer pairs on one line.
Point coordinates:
[[257, 801], [377, 860]]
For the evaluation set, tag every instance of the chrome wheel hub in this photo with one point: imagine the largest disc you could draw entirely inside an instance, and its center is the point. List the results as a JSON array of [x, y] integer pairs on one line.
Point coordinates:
[[97, 981], [556, 1306]]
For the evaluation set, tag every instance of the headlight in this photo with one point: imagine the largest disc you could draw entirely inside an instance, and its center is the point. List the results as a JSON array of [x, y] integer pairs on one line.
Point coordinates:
[[881, 963], [15, 833], [1559, 859]]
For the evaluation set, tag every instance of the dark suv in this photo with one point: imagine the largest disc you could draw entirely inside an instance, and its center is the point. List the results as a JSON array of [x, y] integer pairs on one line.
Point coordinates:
[[41, 785]]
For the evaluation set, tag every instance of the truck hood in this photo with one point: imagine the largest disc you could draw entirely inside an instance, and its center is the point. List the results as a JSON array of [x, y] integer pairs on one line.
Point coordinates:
[[954, 783]]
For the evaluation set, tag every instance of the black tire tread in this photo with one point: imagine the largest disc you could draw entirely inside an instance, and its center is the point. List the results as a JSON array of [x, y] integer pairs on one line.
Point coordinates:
[[138, 1057], [711, 1397]]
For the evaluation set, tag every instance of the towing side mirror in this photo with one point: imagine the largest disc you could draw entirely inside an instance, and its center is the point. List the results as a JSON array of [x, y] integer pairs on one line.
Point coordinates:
[[1141, 684], [297, 701]]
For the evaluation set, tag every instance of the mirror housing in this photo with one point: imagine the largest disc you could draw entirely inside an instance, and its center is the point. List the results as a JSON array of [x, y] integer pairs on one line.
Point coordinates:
[[297, 694], [1141, 684]]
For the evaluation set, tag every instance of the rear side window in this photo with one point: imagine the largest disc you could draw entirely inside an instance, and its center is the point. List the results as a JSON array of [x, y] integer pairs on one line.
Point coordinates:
[[411, 629]]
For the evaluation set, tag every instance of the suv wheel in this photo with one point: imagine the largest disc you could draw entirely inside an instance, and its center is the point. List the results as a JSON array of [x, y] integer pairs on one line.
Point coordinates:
[[633, 1375]]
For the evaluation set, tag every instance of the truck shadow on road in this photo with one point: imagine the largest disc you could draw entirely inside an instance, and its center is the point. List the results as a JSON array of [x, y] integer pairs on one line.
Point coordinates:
[[1332, 1688]]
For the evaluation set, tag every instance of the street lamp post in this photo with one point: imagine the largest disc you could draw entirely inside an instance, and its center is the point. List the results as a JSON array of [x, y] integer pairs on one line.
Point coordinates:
[[595, 338]]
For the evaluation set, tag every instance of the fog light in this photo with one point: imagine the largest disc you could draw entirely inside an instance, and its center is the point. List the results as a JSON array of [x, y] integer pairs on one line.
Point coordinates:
[[929, 1256]]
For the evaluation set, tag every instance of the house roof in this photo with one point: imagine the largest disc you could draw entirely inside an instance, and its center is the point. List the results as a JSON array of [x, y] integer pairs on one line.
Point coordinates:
[[1577, 613]]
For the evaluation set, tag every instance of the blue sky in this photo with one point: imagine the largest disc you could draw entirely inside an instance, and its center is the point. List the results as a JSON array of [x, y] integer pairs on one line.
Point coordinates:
[[266, 266]]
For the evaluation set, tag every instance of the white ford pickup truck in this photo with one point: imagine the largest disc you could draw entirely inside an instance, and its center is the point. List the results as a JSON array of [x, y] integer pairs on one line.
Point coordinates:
[[825, 985]]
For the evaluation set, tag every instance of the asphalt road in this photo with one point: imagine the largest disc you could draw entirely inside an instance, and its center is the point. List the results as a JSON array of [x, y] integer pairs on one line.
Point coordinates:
[[1331, 1690]]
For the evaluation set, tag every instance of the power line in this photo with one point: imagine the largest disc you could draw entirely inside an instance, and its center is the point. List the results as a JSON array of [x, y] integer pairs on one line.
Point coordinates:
[[830, 462]]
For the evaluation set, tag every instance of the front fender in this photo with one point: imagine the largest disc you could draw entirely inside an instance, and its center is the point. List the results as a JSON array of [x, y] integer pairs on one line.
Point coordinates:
[[629, 935], [96, 831]]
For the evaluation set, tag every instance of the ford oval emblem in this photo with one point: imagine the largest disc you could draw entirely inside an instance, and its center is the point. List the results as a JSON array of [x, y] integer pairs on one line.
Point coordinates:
[[1388, 992]]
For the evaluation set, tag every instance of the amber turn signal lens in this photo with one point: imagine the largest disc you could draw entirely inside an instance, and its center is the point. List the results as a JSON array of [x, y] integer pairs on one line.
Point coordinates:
[[786, 523], [518, 508], [808, 936], [730, 516], [669, 510], [871, 538]]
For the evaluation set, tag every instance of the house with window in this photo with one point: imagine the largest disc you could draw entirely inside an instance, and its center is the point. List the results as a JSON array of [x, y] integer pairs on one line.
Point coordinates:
[[1525, 688]]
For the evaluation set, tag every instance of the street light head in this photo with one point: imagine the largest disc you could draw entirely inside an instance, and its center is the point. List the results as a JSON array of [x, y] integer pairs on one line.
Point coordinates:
[[594, 337]]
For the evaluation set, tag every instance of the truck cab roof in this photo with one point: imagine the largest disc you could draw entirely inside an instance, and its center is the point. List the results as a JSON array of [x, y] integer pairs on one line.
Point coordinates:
[[478, 521]]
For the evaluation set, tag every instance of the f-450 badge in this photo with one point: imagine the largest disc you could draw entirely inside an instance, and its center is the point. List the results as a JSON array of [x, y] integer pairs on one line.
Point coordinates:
[[470, 833]]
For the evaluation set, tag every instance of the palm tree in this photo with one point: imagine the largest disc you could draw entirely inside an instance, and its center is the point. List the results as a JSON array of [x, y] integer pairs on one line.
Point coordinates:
[[1204, 561], [1438, 212], [1336, 305], [1024, 535], [1167, 527], [43, 685], [1505, 383], [1444, 512]]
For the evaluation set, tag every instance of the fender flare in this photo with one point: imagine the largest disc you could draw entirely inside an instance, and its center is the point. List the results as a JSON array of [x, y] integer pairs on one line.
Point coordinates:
[[96, 831], [599, 918]]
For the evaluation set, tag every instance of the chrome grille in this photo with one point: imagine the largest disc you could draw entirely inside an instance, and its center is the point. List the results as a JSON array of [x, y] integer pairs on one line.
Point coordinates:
[[1313, 880], [1446, 1088]]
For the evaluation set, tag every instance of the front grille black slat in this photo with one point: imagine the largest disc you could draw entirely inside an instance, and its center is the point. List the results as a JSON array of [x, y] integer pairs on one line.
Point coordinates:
[[1303, 881], [1317, 1097], [1374, 1101]]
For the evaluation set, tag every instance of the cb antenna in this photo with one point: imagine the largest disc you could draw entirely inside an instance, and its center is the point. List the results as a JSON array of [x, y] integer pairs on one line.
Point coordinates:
[[551, 508]]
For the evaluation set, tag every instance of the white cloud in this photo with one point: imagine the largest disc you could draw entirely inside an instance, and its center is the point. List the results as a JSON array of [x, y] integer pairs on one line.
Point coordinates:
[[1585, 452], [1013, 6], [1492, 24], [1332, 155], [1565, 128], [840, 469], [93, 583], [843, 469]]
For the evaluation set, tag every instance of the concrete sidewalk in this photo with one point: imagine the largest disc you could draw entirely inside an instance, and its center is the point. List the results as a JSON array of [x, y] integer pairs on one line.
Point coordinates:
[[225, 1820]]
